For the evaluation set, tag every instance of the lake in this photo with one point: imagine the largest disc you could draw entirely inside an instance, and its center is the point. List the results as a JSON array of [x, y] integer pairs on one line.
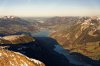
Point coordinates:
[[42, 33]]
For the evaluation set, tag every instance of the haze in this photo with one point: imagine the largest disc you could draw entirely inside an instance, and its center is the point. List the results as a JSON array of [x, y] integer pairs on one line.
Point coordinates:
[[50, 7]]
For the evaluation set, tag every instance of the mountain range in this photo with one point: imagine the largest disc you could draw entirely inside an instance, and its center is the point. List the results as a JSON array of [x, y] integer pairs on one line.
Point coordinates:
[[82, 37], [12, 25], [72, 41]]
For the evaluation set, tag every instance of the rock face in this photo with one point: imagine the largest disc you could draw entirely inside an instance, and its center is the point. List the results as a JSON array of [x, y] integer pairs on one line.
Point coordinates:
[[10, 58]]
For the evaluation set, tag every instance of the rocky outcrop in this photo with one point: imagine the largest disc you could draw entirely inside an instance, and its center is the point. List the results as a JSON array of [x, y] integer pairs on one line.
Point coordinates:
[[16, 39], [10, 58]]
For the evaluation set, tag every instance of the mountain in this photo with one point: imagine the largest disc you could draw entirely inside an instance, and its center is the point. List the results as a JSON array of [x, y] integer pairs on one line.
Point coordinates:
[[82, 36], [69, 50], [54, 22], [10, 58], [11, 25]]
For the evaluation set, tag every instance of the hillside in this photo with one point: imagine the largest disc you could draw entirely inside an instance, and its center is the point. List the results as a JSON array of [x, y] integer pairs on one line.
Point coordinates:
[[82, 37], [11, 25]]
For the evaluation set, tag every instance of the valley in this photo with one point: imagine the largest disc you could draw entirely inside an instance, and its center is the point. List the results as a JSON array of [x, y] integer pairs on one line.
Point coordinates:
[[54, 41]]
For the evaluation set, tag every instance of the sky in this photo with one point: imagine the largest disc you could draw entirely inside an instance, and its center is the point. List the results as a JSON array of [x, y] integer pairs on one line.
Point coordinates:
[[49, 7]]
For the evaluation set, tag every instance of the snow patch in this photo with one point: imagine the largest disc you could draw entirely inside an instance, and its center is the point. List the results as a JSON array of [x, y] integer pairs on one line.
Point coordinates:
[[34, 60]]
